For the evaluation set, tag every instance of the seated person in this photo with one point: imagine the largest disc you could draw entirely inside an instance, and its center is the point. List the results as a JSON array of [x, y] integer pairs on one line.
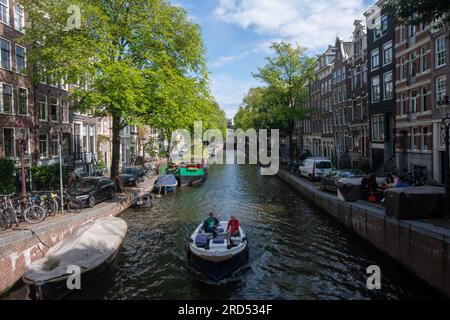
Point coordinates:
[[210, 224], [232, 228]]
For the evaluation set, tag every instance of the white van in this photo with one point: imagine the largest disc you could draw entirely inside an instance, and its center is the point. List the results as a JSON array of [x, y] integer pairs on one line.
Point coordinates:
[[316, 168]]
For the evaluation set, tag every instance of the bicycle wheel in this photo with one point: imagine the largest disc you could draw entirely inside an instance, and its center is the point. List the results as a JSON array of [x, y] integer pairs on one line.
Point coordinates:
[[74, 206], [34, 214], [3, 221]]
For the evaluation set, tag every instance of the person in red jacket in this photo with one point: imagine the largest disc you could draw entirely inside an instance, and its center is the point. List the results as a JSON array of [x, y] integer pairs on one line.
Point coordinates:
[[232, 229]]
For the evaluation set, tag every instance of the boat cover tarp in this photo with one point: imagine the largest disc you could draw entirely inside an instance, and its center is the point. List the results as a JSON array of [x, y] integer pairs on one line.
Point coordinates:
[[415, 202], [88, 248], [167, 180], [349, 189]]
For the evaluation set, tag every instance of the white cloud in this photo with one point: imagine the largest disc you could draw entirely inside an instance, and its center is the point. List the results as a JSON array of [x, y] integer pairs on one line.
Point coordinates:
[[313, 23], [230, 91]]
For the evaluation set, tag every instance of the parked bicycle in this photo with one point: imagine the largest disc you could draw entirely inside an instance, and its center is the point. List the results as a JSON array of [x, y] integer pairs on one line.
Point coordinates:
[[71, 204], [23, 209]]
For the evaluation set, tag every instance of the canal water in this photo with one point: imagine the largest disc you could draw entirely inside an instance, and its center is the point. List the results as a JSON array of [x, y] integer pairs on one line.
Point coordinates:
[[296, 251]]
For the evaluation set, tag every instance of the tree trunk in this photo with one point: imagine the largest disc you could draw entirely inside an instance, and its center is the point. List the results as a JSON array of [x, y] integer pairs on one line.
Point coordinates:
[[115, 163], [169, 146], [291, 146]]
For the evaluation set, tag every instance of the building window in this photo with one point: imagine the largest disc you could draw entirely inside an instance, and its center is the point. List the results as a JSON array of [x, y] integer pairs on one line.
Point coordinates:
[[43, 145], [22, 98], [424, 99], [413, 101], [424, 141], [19, 18], [441, 90], [388, 86], [7, 98], [9, 142], [402, 68], [376, 89], [440, 51], [423, 60], [5, 54], [402, 34], [21, 63], [403, 106], [4, 11], [364, 74], [381, 27], [25, 133], [65, 111], [387, 53], [42, 108], [375, 58], [412, 65], [416, 137], [54, 109], [378, 127]]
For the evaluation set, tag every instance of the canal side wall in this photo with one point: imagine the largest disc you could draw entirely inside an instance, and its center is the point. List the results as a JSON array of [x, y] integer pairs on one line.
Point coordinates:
[[20, 248], [421, 247]]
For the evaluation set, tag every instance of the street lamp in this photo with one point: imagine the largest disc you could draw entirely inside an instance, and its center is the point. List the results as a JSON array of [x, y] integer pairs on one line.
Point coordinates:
[[22, 141], [446, 126], [61, 183]]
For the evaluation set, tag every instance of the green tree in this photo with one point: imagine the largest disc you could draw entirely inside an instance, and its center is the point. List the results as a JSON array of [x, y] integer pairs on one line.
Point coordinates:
[[420, 11], [120, 55], [286, 75]]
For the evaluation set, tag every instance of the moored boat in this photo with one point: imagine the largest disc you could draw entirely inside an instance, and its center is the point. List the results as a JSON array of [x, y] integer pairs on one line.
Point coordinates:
[[214, 256], [165, 183], [92, 249], [143, 202]]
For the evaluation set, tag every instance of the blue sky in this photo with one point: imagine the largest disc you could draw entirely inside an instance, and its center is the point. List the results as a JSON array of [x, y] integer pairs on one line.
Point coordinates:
[[238, 33]]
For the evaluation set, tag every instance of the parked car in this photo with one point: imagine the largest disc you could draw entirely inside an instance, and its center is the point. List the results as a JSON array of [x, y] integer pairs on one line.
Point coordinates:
[[132, 176], [328, 182], [93, 190], [316, 168]]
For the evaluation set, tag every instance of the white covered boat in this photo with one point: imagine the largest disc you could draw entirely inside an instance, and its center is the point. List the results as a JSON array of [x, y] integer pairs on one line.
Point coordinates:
[[92, 248], [213, 255]]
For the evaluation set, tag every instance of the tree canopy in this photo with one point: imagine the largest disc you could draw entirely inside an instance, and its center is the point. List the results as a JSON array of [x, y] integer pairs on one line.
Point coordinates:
[[138, 61], [423, 11], [282, 102]]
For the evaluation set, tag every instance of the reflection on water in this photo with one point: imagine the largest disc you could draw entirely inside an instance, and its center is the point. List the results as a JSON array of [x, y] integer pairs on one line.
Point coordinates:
[[296, 251]]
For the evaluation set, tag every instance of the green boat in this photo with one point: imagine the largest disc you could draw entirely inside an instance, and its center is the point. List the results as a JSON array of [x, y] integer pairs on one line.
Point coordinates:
[[187, 175]]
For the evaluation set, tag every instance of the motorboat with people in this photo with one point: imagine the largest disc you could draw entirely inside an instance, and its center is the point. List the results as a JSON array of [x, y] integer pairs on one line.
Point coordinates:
[[165, 183], [89, 251], [143, 202], [215, 253]]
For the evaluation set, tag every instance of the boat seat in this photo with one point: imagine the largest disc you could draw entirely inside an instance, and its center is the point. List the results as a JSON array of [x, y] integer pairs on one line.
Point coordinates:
[[201, 240], [219, 240], [236, 240]]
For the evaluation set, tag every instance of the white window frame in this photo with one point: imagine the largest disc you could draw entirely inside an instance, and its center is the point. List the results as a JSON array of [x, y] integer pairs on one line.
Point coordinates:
[[4, 7], [39, 108], [20, 16], [65, 112], [423, 99], [2, 106], [18, 102], [24, 58], [441, 92], [384, 85], [377, 127], [389, 46], [423, 60], [413, 102], [14, 141], [372, 56], [440, 50], [57, 109], [43, 155], [10, 56], [373, 91]]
